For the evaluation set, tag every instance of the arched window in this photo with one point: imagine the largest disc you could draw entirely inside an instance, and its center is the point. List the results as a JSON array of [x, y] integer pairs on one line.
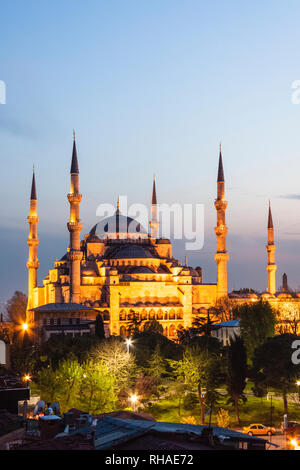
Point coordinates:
[[152, 314], [172, 315], [122, 315], [179, 314]]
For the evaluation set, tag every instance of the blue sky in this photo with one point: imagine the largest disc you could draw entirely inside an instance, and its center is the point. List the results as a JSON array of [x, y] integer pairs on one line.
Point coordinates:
[[152, 87]]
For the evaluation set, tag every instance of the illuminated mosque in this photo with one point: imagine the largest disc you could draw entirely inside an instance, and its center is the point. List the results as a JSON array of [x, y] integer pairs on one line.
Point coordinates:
[[123, 272]]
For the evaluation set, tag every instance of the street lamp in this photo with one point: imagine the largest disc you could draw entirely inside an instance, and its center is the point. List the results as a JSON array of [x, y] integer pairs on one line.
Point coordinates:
[[26, 379], [128, 343], [25, 327], [133, 400]]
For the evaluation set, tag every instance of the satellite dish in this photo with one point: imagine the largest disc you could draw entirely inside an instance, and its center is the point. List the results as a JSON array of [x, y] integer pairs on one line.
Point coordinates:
[[40, 406], [55, 408]]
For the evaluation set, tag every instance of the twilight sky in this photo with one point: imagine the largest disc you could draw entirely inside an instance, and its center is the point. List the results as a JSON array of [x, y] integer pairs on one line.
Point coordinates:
[[152, 87]]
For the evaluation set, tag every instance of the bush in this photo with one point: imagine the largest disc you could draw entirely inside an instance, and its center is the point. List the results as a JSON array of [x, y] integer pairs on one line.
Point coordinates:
[[223, 418]]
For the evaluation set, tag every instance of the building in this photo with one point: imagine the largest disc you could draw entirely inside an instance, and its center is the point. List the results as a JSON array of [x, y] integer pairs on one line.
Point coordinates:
[[225, 331], [122, 271]]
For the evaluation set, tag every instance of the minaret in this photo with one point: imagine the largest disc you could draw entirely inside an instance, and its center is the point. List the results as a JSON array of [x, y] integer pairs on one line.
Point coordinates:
[[271, 248], [221, 256], [154, 223], [32, 242], [74, 227]]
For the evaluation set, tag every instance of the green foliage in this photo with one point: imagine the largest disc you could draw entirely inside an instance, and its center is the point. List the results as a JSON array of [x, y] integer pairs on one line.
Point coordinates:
[[200, 372], [59, 347], [23, 359], [134, 322], [223, 418], [97, 390], [153, 326], [48, 385], [236, 372], [144, 345], [156, 364], [16, 308], [257, 323], [273, 367], [113, 354], [88, 386], [190, 400]]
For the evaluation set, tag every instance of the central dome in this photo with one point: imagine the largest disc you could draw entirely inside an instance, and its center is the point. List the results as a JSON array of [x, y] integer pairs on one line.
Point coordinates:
[[119, 226]]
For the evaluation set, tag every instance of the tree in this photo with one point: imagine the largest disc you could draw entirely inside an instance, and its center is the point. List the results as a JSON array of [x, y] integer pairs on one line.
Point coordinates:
[[16, 308], [89, 386], [121, 365], [197, 370], [273, 367], [236, 372], [144, 344], [289, 316], [156, 364], [69, 375], [223, 418], [48, 385], [134, 323], [153, 326], [257, 323], [146, 387], [23, 359], [97, 391], [99, 327], [223, 310]]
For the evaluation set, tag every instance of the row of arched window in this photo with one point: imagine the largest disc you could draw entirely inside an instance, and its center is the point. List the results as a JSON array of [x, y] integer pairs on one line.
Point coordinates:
[[170, 332], [151, 315]]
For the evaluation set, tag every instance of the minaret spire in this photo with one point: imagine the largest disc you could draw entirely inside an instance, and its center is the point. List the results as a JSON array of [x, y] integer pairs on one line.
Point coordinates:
[[271, 248], [32, 241], [74, 163], [154, 223], [74, 227], [221, 255]]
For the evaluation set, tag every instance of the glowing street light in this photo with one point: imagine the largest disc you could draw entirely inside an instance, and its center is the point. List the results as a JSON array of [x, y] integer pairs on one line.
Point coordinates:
[[26, 379], [133, 399], [128, 343], [25, 326]]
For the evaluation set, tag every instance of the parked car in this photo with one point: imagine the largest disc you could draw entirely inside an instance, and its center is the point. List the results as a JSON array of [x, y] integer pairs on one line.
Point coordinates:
[[259, 430], [293, 428]]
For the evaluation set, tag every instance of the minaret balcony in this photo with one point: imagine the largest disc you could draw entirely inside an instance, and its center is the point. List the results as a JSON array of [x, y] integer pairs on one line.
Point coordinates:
[[221, 230], [74, 226], [33, 264], [32, 219], [75, 255], [220, 204], [32, 241], [74, 198]]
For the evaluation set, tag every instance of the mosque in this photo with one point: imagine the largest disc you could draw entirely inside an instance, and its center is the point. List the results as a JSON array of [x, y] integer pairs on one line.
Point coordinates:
[[122, 272]]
